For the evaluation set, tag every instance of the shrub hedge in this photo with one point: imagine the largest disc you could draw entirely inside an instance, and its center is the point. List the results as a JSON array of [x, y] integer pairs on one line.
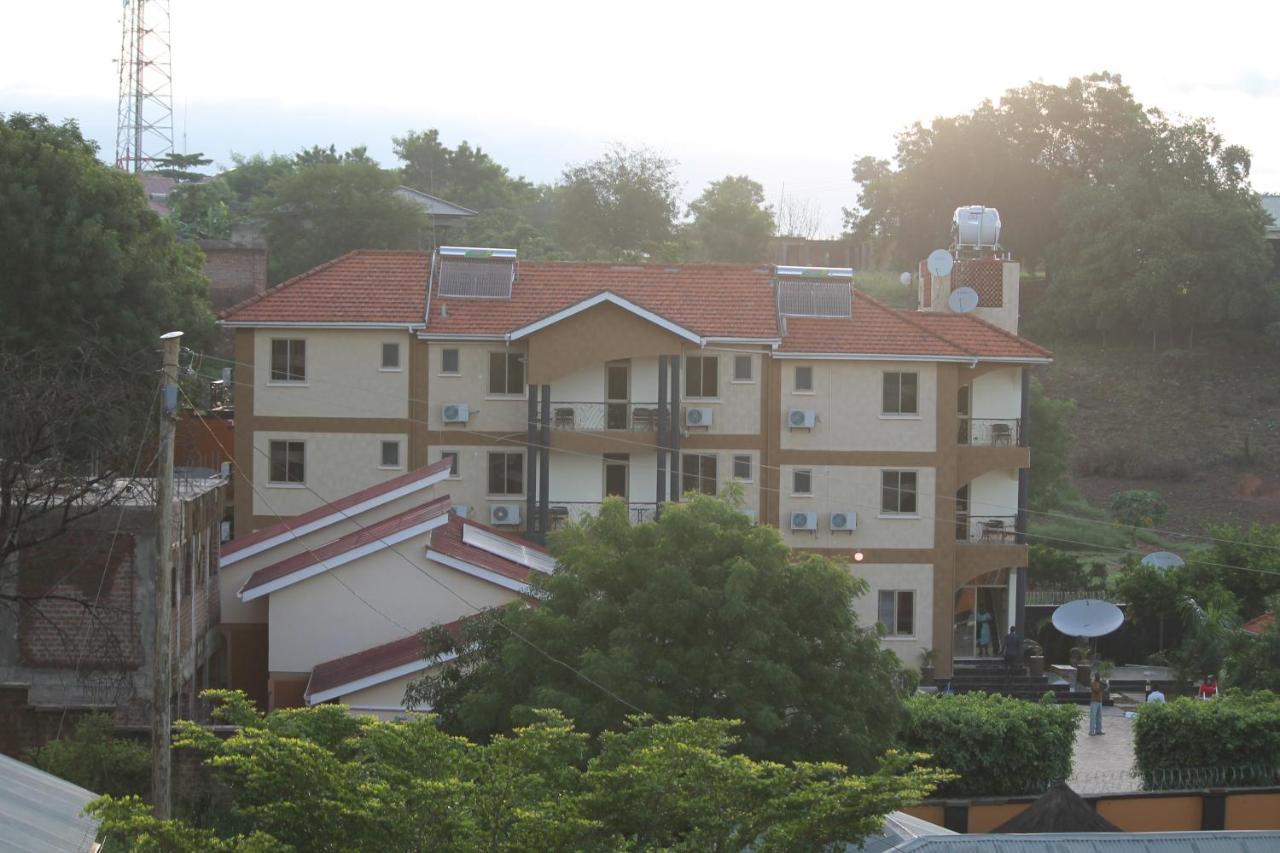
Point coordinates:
[[94, 758], [998, 745], [1235, 737]]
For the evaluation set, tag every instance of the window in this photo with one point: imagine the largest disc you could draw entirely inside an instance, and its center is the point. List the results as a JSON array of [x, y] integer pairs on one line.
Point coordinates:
[[896, 611], [390, 454], [452, 456], [742, 468], [288, 462], [900, 397], [506, 373], [506, 473], [802, 481], [698, 473], [804, 379], [449, 361], [702, 376], [390, 356], [742, 369], [288, 360], [898, 492]]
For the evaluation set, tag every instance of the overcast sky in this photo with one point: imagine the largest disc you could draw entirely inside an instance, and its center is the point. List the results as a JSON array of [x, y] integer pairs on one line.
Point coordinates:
[[789, 93]]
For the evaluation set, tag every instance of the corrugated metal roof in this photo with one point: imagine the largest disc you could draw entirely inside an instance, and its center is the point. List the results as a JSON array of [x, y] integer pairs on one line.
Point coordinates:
[[1101, 842], [40, 812]]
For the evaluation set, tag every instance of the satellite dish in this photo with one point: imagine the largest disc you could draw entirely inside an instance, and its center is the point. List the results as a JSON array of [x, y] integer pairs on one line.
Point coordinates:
[[963, 300], [940, 263], [905, 278], [1163, 560], [1087, 617]]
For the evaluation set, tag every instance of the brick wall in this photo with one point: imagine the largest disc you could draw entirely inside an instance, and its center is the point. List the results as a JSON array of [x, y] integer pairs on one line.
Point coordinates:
[[235, 273]]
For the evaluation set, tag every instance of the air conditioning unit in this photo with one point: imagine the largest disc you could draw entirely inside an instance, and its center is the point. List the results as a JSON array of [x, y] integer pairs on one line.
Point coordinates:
[[697, 417], [462, 510], [456, 413], [804, 521], [845, 521], [504, 514], [802, 418]]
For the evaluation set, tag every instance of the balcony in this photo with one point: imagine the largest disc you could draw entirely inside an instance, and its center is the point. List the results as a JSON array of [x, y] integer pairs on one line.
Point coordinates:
[[599, 417], [987, 529], [565, 512], [988, 543], [990, 432]]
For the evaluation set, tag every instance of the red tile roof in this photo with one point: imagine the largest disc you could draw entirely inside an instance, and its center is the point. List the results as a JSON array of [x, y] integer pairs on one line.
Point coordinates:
[[367, 535], [448, 540], [1258, 624], [360, 287], [371, 662], [711, 300], [334, 508]]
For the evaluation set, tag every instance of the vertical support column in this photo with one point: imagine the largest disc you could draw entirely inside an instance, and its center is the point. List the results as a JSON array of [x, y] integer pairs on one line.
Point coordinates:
[[663, 424], [532, 437], [1019, 610], [676, 423], [544, 468]]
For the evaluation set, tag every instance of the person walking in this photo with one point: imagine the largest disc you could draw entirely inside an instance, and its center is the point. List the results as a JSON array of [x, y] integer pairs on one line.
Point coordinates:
[[1096, 690]]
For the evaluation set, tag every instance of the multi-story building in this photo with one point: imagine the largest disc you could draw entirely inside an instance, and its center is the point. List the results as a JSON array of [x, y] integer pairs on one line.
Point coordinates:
[[895, 439]]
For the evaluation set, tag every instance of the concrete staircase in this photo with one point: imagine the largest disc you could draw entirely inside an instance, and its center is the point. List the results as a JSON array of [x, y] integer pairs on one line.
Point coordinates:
[[991, 676]]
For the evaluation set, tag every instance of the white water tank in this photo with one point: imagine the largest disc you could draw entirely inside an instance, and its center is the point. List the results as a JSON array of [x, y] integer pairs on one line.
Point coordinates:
[[976, 227]]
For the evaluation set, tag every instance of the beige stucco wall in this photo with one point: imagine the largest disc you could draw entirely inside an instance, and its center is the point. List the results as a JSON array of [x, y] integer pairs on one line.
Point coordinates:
[[994, 493], [915, 577], [344, 376], [997, 394], [471, 386], [337, 464], [848, 397], [846, 487], [324, 617], [234, 576], [736, 409], [384, 701]]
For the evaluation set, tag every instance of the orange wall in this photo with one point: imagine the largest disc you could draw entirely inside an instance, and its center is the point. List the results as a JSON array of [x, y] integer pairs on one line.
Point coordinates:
[[1253, 811], [985, 818], [1153, 814]]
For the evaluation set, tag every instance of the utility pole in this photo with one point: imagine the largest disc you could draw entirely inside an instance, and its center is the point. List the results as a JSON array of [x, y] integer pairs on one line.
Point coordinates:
[[162, 655]]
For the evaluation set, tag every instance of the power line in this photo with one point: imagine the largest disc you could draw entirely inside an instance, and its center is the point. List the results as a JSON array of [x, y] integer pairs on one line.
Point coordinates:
[[474, 607], [1051, 514]]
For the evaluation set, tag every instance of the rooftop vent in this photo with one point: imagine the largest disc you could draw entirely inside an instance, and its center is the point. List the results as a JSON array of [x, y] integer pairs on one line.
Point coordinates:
[[474, 273], [814, 291]]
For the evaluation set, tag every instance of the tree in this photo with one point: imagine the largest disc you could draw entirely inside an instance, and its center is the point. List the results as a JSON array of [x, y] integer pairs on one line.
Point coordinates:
[[95, 759], [798, 217], [1138, 508], [181, 167], [699, 614], [201, 211], [82, 256], [324, 208], [1051, 441], [672, 785], [731, 222], [1254, 555], [1254, 662], [619, 206]]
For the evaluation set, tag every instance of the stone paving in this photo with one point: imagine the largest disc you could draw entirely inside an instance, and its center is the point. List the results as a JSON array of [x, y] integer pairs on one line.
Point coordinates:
[[1104, 763]]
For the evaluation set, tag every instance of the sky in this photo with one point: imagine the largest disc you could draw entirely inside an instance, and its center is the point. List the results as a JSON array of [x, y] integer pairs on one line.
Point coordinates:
[[788, 93]]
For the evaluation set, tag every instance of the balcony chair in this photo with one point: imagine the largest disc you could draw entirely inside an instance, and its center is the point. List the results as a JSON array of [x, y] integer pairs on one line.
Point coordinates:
[[563, 417], [1001, 435]]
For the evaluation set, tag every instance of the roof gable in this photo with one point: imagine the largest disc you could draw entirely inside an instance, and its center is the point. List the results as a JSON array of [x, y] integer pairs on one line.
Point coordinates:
[[599, 299]]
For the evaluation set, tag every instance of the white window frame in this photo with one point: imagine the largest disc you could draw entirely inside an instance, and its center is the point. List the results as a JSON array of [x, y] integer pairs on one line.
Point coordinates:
[[488, 467], [383, 367], [688, 361], [795, 380], [382, 448], [455, 469], [684, 472], [286, 483], [288, 381], [751, 468], [751, 370], [797, 472], [899, 513], [899, 415], [457, 351], [519, 357], [892, 631]]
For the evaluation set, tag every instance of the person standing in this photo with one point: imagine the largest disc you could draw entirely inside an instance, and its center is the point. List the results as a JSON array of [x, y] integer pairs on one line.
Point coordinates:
[[1096, 690], [1012, 648], [984, 634], [1209, 687], [1156, 695]]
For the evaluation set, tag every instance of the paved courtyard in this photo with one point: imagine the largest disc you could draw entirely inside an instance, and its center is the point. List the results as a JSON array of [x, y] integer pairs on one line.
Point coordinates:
[[1104, 763]]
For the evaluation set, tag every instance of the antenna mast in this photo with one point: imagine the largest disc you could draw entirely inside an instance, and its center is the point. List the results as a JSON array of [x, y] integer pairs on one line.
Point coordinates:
[[144, 111]]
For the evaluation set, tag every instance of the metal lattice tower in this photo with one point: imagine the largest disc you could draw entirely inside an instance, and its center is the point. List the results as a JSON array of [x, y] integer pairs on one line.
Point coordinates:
[[144, 113]]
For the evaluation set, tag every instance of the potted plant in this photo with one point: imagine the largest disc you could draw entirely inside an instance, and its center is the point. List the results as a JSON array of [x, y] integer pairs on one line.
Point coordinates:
[[1035, 658], [926, 666]]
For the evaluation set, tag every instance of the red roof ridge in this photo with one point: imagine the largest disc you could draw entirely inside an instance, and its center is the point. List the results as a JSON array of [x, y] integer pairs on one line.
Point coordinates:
[[333, 507], [364, 536], [1008, 334], [908, 317]]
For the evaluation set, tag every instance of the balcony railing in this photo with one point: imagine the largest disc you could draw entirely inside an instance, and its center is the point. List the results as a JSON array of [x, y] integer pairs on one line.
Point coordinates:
[[589, 417], [564, 512], [990, 432], [987, 529]]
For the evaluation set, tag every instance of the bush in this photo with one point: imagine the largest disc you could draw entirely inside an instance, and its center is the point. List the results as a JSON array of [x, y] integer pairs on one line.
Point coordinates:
[[1230, 734], [998, 745], [1069, 534], [95, 759], [1139, 508]]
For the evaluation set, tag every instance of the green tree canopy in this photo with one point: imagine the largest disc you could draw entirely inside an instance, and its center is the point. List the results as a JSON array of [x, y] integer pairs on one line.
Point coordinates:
[[731, 222], [82, 256], [1051, 441], [620, 206], [321, 779], [329, 205], [181, 167], [202, 211], [700, 614]]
